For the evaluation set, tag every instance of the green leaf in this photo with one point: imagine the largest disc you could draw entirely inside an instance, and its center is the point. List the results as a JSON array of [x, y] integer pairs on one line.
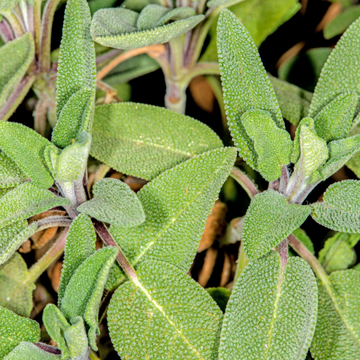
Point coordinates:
[[25, 201], [16, 289], [114, 203], [220, 295], [272, 310], [246, 85], [80, 244], [90, 277], [340, 209], [185, 192], [14, 329], [143, 140], [269, 220], [272, 145], [96, 5], [26, 148], [30, 351], [15, 58], [76, 339], [333, 79], [138, 5], [10, 174], [163, 313], [76, 69], [338, 318], [302, 236]]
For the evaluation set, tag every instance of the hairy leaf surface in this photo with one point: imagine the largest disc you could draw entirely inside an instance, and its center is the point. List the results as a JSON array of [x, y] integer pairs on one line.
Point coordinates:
[[30, 351], [10, 174]]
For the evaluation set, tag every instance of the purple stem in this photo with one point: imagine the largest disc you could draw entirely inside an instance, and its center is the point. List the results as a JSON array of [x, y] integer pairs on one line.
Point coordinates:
[[48, 348], [6, 31]]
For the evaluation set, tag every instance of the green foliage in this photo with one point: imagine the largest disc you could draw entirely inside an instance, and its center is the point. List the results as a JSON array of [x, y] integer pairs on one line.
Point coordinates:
[[271, 312], [220, 296], [187, 191], [114, 203], [302, 236], [14, 329], [338, 318], [143, 140], [269, 220], [30, 351], [340, 209], [10, 174], [163, 313]]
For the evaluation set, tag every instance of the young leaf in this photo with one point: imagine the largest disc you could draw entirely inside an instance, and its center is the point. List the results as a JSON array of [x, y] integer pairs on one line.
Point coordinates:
[[185, 192], [114, 203], [90, 277], [80, 244], [245, 82], [16, 288], [271, 313], [76, 69], [269, 220], [15, 58], [14, 329], [10, 173], [76, 339], [163, 313], [144, 140], [7, 234], [26, 148], [272, 144], [29, 351], [340, 209], [338, 318]]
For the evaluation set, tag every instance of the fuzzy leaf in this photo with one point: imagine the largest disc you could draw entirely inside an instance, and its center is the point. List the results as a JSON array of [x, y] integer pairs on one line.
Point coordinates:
[[16, 288], [10, 174], [118, 28], [164, 314], [246, 85], [90, 277], [25, 201], [333, 79], [26, 148], [271, 313], [269, 220], [114, 203], [15, 58], [272, 145], [7, 234], [138, 5], [76, 69], [185, 192], [30, 351], [14, 329], [143, 140], [80, 244], [338, 318], [76, 339], [302, 236], [340, 209]]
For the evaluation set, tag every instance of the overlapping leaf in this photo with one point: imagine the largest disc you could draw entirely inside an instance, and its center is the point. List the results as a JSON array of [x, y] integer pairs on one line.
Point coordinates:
[[143, 140], [30, 351], [163, 313], [10, 173], [305, 239], [271, 313]]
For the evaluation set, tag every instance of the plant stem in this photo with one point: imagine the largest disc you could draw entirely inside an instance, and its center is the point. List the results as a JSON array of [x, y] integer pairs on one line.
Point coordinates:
[[37, 26], [101, 173], [282, 249], [175, 98], [14, 22], [202, 68], [241, 262], [110, 92], [243, 180], [51, 221]]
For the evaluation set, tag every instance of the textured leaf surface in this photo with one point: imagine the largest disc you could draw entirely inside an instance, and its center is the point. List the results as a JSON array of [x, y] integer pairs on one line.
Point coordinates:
[[114, 203], [30, 351], [90, 277], [164, 314], [185, 192], [10, 173], [340, 209], [15, 58], [80, 244], [143, 140], [271, 313], [14, 329], [7, 234], [269, 220], [16, 289], [26, 148], [272, 145], [246, 85], [338, 318]]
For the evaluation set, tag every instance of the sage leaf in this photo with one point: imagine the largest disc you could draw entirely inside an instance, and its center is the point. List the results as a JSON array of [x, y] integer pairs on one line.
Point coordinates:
[[26, 148], [220, 295], [80, 244], [246, 85], [272, 144], [114, 203], [138, 5], [76, 339], [14, 329], [90, 277], [185, 192], [269, 220], [143, 140], [271, 313], [10, 174], [163, 313], [338, 318], [15, 59], [16, 287], [29, 351], [304, 238], [340, 209]]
